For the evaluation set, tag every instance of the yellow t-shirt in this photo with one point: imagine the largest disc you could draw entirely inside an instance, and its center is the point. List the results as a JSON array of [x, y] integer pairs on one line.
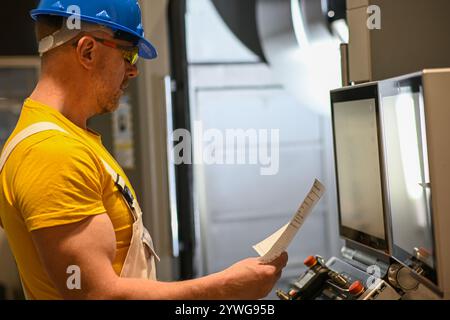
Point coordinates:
[[54, 178]]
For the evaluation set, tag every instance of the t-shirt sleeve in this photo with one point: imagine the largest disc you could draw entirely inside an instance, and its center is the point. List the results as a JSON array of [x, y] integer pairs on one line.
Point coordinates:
[[58, 182]]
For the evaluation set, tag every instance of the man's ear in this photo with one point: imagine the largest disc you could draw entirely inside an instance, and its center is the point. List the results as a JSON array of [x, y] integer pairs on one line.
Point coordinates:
[[87, 48]]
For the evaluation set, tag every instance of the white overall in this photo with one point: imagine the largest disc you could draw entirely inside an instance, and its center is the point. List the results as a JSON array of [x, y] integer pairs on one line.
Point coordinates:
[[140, 259]]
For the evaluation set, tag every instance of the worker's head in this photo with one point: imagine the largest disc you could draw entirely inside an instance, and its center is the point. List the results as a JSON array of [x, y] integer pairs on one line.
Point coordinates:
[[98, 52], [92, 57]]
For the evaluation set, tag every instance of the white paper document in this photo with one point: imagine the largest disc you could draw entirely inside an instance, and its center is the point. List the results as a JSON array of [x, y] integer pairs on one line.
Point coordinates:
[[277, 243]]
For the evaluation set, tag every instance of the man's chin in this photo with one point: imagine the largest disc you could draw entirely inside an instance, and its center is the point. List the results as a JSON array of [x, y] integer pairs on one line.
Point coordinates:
[[109, 108], [113, 103]]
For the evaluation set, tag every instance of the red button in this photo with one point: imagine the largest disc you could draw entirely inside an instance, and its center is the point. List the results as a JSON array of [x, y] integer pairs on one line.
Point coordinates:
[[293, 292], [311, 261], [356, 288]]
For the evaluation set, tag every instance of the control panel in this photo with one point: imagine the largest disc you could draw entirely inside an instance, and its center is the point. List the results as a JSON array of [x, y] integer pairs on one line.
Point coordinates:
[[337, 280]]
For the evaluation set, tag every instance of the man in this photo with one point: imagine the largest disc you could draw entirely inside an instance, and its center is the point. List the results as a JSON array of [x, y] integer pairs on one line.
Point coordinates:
[[65, 204]]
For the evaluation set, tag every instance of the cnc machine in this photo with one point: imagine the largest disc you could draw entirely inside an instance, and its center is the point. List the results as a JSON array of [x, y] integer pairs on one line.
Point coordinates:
[[391, 160]]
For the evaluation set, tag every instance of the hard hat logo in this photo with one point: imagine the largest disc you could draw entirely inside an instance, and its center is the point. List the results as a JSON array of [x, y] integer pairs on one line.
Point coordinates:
[[74, 21], [121, 16]]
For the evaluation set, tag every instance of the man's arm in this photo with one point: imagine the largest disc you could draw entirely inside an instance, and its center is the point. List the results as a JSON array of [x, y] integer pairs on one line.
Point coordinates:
[[91, 245]]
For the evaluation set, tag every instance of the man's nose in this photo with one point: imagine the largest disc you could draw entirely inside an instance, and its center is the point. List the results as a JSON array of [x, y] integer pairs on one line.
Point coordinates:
[[132, 71]]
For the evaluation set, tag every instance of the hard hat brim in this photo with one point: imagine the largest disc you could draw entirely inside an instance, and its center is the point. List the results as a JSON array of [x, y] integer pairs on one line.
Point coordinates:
[[146, 48]]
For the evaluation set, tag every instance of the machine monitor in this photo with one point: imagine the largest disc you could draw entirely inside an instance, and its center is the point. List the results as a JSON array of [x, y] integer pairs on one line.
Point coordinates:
[[392, 167], [359, 166], [407, 174]]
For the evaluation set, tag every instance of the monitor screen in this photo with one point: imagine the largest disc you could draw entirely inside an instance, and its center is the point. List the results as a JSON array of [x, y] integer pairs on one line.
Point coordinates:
[[406, 161], [358, 169]]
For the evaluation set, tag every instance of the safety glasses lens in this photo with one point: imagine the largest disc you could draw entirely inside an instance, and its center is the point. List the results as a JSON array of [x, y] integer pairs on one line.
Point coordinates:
[[131, 56]]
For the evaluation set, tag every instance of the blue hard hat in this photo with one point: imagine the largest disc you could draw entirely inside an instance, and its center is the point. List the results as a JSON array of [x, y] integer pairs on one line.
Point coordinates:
[[119, 15]]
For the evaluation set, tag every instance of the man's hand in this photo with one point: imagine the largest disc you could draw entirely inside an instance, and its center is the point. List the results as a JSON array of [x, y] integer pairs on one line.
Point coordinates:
[[251, 279]]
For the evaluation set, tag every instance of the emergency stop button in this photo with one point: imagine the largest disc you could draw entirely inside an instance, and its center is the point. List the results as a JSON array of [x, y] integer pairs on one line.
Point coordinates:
[[311, 261], [356, 288]]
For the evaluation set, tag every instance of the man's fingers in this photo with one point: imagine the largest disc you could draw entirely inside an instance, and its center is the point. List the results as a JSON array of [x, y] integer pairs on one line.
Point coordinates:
[[281, 261]]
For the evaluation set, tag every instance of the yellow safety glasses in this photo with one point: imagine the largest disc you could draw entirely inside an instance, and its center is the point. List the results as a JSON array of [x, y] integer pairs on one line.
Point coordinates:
[[130, 53]]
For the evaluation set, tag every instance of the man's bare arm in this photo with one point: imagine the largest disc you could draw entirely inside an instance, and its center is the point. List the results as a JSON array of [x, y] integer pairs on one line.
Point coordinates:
[[91, 245]]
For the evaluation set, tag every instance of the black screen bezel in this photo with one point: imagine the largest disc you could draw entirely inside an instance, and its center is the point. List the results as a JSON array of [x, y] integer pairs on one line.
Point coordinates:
[[356, 93]]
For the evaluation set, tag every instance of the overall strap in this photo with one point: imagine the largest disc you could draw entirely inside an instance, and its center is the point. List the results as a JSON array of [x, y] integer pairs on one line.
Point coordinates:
[[124, 190], [47, 126], [22, 135]]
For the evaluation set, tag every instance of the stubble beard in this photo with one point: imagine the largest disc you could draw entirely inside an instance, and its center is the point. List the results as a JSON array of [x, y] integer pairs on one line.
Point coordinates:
[[111, 104]]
